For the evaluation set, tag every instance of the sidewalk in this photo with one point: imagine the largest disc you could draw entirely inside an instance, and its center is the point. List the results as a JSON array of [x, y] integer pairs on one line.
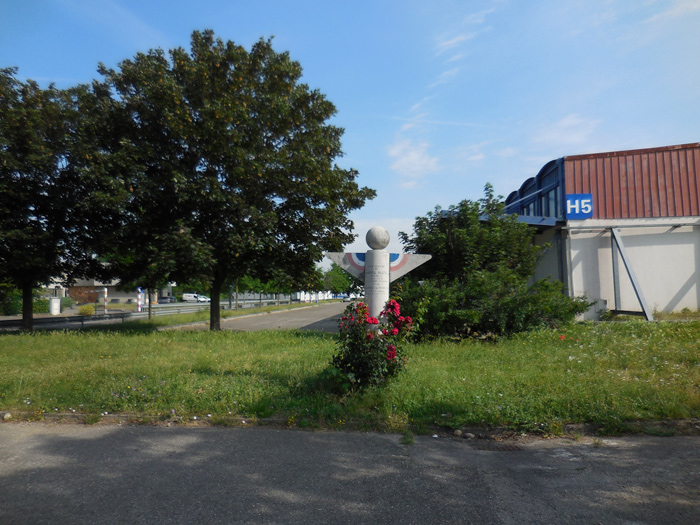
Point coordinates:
[[144, 474]]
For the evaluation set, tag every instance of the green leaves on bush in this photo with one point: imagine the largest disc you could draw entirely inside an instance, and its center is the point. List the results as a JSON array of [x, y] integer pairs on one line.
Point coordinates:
[[86, 309], [10, 300], [479, 281]]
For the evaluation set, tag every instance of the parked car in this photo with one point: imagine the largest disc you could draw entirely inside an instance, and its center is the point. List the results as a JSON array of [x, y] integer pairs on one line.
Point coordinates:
[[203, 299], [164, 300], [189, 297]]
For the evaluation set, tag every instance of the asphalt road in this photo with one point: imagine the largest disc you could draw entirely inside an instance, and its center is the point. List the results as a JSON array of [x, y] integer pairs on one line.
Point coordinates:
[[60, 473], [323, 317]]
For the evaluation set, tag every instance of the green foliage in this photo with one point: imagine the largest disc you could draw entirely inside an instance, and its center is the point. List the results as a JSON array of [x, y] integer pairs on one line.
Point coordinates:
[[66, 302], [370, 349], [478, 282], [337, 280], [228, 160], [86, 309], [10, 300], [54, 199], [41, 306]]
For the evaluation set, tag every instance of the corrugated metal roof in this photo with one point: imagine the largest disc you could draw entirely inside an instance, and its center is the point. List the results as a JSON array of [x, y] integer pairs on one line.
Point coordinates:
[[657, 182]]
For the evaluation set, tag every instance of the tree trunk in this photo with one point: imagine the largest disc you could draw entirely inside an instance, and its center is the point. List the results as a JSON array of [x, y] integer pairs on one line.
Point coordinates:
[[214, 309], [27, 307]]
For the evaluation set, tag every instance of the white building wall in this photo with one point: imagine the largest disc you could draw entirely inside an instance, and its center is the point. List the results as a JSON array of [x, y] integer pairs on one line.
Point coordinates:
[[664, 256]]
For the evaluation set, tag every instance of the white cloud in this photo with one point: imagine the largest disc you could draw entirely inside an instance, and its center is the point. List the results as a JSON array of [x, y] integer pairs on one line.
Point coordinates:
[[446, 45], [412, 161], [480, 17], [571, 130], [679, 8], [419, 104], [445, 77], [473, 152]]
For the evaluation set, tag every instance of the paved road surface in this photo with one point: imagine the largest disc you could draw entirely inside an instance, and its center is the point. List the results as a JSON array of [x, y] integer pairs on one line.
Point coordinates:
[[60, 473], [323, 317]]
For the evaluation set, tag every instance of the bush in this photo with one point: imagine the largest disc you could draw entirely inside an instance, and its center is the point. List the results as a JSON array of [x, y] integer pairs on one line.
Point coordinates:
[[41, 306], [370, 349], [489, 303], [86, 309], [66, 302], [479, 279], [10, 300]]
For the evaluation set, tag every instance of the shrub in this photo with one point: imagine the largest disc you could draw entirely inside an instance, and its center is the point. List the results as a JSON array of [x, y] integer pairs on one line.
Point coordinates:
[[66, 302], [86, 309], [10, 300], [490, 303], [370, 348], [480, 277], [41, 306]]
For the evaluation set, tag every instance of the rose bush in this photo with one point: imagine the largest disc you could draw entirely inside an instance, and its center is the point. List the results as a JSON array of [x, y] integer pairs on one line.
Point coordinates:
[[370, 348]]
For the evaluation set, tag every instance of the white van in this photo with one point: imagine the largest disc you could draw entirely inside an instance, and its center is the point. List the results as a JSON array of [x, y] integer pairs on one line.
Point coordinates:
[[190, 297]]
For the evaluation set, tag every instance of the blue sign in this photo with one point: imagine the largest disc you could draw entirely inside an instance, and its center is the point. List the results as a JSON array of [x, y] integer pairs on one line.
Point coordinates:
[[579, 206]]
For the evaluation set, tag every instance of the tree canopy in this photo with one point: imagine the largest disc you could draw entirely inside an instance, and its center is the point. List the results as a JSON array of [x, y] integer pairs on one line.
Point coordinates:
[[212, 164], [230, 165], [52, 204]]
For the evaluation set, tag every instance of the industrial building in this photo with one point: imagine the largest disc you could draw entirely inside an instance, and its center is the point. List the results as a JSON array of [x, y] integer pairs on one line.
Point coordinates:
[[623, 228]]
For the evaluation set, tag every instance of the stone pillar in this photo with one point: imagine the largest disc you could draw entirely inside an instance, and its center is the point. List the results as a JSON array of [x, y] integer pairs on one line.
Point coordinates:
[[376, 280], [376, 269]]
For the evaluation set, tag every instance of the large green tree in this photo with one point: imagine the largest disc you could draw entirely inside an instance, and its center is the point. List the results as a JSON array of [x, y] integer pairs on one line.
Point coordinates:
[[53, 205], [241, 155]]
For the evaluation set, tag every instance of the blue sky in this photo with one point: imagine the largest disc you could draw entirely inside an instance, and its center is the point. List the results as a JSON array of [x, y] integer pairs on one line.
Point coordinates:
[[436, 98]]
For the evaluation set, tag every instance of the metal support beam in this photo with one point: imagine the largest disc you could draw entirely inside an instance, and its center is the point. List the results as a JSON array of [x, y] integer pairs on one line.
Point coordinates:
[[616, 273], [617, 243]]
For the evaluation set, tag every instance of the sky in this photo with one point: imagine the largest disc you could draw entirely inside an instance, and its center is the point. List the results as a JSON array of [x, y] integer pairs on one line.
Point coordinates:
[[437, 98]]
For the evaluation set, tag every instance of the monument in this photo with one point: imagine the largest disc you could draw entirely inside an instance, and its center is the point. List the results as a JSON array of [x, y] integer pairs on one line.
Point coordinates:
[[376, 268]]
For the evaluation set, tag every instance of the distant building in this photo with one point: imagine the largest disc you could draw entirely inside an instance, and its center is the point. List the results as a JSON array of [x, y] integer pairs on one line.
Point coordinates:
[[623, 227], [91, 290]]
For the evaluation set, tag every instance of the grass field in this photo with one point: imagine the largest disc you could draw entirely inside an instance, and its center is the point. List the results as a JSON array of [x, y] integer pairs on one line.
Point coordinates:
[[606, 374]]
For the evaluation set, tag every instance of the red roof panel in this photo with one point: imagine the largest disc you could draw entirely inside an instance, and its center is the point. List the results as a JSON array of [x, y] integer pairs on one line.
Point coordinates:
[[658, 182]]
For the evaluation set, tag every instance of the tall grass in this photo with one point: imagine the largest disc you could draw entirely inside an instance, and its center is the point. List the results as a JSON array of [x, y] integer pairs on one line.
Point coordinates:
[[605, 373]]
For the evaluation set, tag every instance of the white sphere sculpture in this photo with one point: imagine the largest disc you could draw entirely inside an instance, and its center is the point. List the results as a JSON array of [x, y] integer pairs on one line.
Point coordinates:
[[377, 238]]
